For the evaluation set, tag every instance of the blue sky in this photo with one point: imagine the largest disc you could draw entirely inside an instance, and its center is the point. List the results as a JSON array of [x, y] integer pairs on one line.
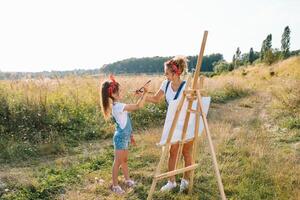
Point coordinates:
[[40, 35]]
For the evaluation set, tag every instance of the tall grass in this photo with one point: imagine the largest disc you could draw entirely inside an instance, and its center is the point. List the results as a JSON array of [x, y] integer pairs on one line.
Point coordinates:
[[255, 136], [39, 117]]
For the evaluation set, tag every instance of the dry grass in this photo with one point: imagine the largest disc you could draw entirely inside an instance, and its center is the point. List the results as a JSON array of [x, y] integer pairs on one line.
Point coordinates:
[[77, 89]]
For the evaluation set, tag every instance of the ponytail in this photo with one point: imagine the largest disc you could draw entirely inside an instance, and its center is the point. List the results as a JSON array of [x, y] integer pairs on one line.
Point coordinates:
[[106, 99]]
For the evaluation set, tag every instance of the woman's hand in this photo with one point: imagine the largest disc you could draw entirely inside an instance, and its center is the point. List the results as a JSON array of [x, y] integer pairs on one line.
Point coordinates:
[[146, 88], [143, 90], [138, 93]]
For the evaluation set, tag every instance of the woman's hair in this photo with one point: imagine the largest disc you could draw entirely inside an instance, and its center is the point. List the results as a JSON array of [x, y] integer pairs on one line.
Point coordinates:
[[107, 89], [177, 65]]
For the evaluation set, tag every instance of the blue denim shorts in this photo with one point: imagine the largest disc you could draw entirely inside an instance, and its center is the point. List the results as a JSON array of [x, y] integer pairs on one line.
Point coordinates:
[[120, 142]]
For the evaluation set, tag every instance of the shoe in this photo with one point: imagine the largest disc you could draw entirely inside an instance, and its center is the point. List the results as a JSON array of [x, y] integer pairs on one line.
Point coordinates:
[[117, 189], [130, 183], [169, 186], [183, 185]]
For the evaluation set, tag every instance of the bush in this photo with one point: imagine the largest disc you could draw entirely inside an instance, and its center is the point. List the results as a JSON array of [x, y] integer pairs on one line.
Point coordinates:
[[222, 66], [229, 92], [150, 115], [271, 56]]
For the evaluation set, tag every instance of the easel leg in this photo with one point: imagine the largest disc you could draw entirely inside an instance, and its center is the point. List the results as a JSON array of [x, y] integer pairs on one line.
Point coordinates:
[[191, 179], [192, 174], [154, 182], [213, 155], [195, 144], [165, 149]]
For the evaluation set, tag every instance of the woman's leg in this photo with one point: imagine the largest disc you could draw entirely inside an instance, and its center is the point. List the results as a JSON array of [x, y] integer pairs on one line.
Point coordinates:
[[124, 164], [116, 166], [187, 155], [172, 159]]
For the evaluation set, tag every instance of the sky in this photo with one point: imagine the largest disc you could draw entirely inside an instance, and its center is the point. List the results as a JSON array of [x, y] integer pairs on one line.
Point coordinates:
[[45, 35]]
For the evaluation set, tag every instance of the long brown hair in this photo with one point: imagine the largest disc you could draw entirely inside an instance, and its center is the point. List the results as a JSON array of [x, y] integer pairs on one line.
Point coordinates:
[[106, 98], [177, 65]]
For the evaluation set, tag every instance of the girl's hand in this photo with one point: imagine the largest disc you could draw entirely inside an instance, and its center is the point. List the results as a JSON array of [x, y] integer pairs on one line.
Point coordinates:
[[132, 140]]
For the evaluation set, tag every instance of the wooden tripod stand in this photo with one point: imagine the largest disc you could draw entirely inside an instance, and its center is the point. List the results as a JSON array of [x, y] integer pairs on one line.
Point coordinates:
[[191, 93]]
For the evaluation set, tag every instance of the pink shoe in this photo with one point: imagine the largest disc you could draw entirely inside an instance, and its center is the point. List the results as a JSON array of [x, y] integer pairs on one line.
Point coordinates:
[[130, 183], [117, 189]]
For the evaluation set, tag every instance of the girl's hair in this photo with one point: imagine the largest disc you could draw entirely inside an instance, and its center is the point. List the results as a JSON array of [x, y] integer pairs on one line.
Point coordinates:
[[177, 65], [107, 89]]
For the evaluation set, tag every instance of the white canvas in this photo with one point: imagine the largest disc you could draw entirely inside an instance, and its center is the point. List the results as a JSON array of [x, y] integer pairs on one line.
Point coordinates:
[[191, 125]]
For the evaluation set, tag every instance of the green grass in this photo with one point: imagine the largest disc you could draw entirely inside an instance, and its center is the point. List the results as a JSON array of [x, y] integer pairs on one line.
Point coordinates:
[[247, 173], [292, 123], [53, 180], [228, 93]]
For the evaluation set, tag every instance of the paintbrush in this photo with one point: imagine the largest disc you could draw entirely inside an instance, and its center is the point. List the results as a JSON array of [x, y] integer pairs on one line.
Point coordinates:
[[140, 90]]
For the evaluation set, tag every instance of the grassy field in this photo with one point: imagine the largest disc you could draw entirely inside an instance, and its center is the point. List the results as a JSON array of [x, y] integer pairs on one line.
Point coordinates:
[[55, 145]]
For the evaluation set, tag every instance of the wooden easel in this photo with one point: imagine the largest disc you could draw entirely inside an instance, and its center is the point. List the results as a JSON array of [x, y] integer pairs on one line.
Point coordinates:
[[191, 93]]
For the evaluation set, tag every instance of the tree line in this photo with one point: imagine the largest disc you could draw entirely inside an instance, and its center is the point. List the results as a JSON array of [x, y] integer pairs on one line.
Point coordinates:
[[156, 64], [267, 54], [147, 65]]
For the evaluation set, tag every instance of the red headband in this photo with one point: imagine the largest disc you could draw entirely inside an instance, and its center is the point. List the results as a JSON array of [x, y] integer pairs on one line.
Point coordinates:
[[175, 68], [112, 85]]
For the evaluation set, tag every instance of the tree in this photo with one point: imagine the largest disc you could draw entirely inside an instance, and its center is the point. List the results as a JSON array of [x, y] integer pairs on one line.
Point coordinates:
[[266, 48], [268, 44], [233, 59], [285, 42], [251, 57], [237, 57], [262, 50]]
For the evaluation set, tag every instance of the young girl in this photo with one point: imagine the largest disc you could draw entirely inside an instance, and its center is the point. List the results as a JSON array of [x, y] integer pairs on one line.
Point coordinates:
[[172, 88], [110, 104]]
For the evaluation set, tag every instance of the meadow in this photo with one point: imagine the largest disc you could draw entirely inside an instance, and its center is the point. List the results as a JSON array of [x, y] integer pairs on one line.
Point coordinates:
[[55, 144]]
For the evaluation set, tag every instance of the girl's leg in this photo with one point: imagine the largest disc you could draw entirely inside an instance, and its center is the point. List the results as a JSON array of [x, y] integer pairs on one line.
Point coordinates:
[[187, 155], [116, 166], [172, 159], [124, 164]]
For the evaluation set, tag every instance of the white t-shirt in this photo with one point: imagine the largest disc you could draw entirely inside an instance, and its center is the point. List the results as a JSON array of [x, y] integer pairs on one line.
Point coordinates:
[[119, 114], [170, 93]]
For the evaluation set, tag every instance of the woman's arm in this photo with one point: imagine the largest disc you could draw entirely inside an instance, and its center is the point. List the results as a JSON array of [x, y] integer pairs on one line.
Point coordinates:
[[138, 105], [155, 98]]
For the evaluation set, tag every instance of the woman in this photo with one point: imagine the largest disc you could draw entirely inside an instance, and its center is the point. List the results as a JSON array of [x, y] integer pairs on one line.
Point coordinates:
[[172, 89]]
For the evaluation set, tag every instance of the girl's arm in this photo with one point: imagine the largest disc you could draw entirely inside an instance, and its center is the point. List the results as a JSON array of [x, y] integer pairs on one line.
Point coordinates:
[[138, 105], [155, 98]]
